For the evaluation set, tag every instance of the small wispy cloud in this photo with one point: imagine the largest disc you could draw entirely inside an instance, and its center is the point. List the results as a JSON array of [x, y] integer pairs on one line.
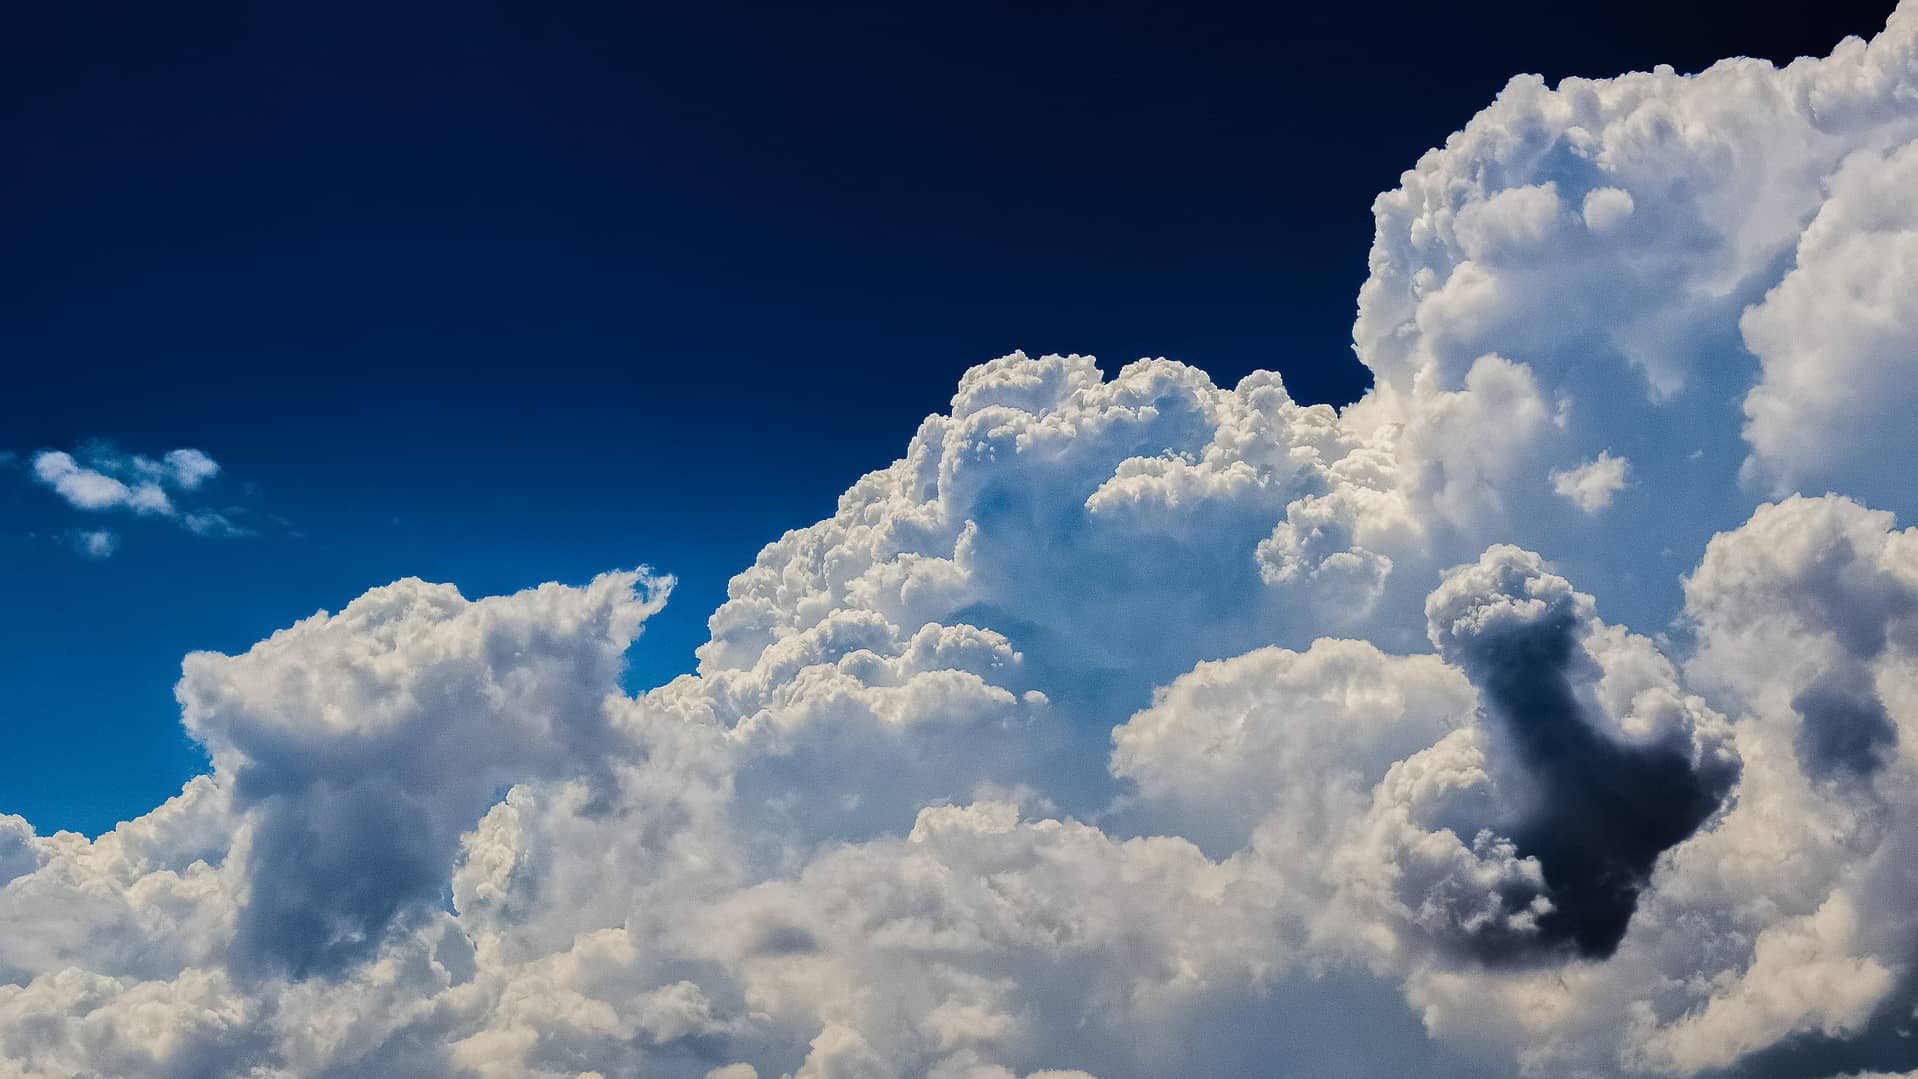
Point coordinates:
[[98, 478], [91, 488], [210, 523], [1592, 485], [94, 542]]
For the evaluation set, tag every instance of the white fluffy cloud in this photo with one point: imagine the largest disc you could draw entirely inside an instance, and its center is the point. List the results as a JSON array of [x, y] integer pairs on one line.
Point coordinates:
[[1139, 726], [1592, 485], [1836, 338]]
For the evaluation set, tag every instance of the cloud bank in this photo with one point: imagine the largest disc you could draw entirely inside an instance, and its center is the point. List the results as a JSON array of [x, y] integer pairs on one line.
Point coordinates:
[[1139, 726]]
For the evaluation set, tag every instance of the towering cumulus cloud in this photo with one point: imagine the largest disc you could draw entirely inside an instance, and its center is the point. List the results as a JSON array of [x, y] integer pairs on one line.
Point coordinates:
[[1550, 711]]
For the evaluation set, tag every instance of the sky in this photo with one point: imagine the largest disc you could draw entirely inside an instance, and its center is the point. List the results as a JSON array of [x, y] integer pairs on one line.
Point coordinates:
[[495, 296], [960, 544]]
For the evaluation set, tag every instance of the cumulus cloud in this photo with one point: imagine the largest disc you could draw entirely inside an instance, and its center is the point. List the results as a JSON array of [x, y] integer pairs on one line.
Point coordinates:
[[1139, 726], [358, 747], [1838, 338], [1592, 485]]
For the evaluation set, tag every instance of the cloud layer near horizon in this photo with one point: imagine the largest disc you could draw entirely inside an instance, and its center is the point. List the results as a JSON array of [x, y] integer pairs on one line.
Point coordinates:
[[1136, 726]]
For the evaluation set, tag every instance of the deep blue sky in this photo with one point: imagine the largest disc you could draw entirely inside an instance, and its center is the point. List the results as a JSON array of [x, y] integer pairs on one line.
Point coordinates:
[[500, 295]]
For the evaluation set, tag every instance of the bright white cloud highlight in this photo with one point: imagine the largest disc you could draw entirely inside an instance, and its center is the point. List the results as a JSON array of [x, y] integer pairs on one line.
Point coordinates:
[[1607, 208]]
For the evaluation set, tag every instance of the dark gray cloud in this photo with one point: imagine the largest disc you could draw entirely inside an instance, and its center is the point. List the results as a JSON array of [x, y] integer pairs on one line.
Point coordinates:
[[1595, 810], [332, 870], [1844, 727], [1604, 810]]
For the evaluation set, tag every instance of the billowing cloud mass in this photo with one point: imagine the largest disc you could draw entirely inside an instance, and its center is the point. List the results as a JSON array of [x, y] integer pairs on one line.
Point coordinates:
[[1551, 711]]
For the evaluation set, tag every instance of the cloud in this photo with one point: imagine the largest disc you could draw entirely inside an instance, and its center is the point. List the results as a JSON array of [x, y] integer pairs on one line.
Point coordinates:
[[1607, 208], [1842, 728], [102, 479], [1596, 810], [186, 469], [1836, 337], [1136, 725], [1592, 485], [94, 542], [359, 746], [91, 489], [1228, 744]]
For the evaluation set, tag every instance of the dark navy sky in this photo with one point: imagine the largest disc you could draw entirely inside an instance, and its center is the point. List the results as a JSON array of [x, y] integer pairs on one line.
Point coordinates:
[[503, 294]]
